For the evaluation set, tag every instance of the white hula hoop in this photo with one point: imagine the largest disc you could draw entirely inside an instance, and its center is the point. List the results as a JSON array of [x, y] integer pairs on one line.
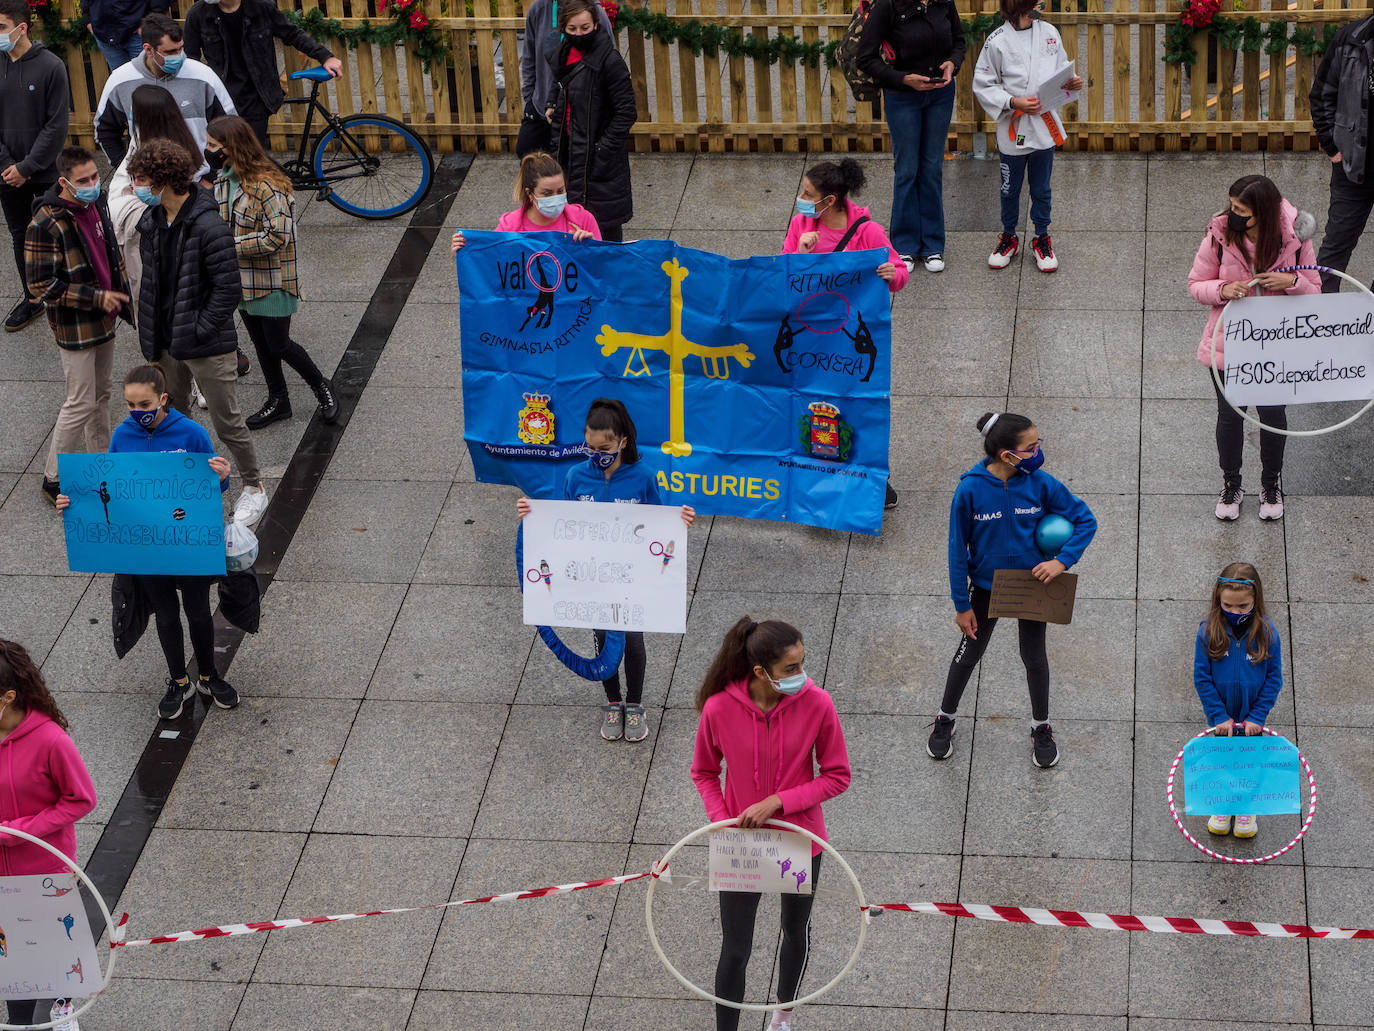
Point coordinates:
[[109, 926], [662, 864], [1254, 420], [1178, 822]]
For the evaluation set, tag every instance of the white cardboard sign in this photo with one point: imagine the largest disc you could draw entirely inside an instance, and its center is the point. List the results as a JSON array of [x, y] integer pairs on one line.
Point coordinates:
[[605, 566], [1052, 94], [761, 859], [1299, 350], [46, 948]]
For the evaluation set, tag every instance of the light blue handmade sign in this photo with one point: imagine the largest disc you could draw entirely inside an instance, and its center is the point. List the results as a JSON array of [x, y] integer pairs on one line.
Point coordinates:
[[156, 514], [1251, 775]]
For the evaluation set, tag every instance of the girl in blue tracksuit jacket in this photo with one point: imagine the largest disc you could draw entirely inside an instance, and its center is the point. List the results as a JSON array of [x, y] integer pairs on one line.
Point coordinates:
[[1237, 667], [155, 426], [992, 521], [612, 473]]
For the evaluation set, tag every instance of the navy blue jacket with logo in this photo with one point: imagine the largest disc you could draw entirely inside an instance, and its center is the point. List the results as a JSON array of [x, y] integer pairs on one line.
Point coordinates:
[[992, 526]]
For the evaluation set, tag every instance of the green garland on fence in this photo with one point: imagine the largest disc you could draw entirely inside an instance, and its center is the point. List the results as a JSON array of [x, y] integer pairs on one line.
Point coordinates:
[[1247, 35], [59, 34], [405, 25]]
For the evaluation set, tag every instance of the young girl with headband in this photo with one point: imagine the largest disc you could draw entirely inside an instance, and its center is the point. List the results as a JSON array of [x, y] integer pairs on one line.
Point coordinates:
[[1237, 667], [542, 197], [992, 521], [760, 712], [612, 473]]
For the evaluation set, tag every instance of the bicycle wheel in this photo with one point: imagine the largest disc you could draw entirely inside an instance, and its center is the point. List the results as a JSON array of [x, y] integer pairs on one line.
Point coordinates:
[[375, 166]]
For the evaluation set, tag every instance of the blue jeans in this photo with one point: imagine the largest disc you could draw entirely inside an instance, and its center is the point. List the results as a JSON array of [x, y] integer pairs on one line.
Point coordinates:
[[919, 123], [122, 54], [1014, 166]]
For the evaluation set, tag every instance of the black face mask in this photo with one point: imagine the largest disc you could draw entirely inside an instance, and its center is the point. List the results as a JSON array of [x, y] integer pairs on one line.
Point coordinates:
[[1237, 223], [215, 159]]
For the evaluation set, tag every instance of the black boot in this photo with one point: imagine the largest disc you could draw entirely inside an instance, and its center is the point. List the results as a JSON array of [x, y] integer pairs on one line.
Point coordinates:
[[276, 408], [329, 403]]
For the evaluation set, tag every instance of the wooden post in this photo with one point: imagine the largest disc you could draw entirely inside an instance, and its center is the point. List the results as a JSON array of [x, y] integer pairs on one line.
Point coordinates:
[[639, 76], [1146, 76], [687, 77], [463, 107], [787, 86], [1097, 101], [1278, 94], [1197, 83], [715, 101], [739, 99], [1302, 86], [1122, 75], [811, 80], [662, 108], [1226, 97], [1250, 98]]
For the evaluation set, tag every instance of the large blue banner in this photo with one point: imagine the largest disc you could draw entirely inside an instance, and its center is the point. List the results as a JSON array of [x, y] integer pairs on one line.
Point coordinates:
[[142, 513], [758, 387]]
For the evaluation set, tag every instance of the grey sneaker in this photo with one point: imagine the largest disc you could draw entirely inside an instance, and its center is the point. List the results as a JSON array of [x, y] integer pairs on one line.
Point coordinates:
[[636, 723], [174, 701], [613, 721]]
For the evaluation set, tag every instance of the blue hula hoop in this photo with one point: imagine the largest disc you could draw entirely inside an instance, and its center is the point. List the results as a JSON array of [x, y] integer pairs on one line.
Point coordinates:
[[598, 667]]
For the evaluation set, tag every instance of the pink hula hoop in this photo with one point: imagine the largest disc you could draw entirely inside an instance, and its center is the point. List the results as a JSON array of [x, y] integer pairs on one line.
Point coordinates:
[[1178, 822]]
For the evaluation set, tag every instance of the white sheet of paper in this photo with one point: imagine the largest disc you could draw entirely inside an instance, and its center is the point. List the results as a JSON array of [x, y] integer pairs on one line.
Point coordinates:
[[46, 948], [605, 566], [762, 859], [1052, 93]]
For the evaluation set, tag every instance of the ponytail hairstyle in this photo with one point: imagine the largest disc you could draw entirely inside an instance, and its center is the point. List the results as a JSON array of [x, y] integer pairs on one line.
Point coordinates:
[[1218, 630], [534, 166], [19, 674], [841, 179], [1002, 432], [747, 644], [147, 375], [1262, 197], [609, 415]]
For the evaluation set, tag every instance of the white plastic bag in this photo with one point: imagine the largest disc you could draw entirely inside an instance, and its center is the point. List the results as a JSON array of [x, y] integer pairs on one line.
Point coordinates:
[[240, 547]]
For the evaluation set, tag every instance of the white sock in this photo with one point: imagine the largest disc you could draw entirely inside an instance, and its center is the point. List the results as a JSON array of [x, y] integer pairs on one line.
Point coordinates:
[[1038, 723], [946, 715]]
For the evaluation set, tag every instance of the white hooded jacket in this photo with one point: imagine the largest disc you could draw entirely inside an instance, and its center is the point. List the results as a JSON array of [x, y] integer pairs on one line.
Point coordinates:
[[1014, 62]]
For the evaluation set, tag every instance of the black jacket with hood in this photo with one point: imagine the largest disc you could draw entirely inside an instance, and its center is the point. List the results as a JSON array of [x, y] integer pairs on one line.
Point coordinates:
[[207, 290], [1339, 97], [35, 101], [594, 108], [262, 21]]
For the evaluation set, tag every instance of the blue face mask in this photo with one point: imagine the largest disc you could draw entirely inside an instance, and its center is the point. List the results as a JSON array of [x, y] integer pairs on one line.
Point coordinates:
[[806, 207], [147, 196], [551, 207], [1237, 619], [144, 418], [789, 685], [86, 194], [172, 64], [6, 43], [1034, 462], [603, 460]]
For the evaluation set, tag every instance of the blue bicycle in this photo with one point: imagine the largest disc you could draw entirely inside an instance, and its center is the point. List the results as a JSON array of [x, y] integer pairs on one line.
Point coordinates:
[[370, 166]]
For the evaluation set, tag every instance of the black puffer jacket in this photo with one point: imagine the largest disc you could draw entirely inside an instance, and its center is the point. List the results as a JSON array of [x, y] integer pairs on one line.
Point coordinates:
[[592, 144], [207, 288], [261, 22]]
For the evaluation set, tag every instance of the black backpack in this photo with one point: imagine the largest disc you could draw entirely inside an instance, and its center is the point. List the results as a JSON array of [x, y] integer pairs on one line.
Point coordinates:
[[861, 84]]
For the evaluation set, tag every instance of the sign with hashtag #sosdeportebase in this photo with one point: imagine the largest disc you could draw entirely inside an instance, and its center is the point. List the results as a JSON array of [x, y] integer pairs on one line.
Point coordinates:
[[761, 859], [1297, 350]]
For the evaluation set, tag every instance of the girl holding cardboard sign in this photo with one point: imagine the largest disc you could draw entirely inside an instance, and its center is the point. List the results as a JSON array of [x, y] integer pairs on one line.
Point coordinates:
[[1237, 667], [992, 521], [761, 712]]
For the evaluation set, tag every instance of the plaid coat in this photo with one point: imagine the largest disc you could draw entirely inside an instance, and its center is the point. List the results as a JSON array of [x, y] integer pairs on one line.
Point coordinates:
[[263, 221], [59, 274]]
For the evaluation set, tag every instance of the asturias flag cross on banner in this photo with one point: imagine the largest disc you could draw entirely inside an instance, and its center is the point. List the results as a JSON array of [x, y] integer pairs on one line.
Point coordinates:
[[758, 387]]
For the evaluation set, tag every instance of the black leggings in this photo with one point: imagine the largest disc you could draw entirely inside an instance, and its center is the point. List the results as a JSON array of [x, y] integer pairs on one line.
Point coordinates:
[[737, 912], [635, 662], [161, 592], [271, 336], [24, 1011], [1031, 634], [1231, 438]]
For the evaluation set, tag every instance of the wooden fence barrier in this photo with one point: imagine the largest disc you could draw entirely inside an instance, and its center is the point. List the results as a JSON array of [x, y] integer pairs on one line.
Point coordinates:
[[1231, 99]]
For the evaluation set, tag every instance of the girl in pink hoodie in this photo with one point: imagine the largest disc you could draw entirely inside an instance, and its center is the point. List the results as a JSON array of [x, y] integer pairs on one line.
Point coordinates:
[[1258, 233], [762, 715], [44, 786]]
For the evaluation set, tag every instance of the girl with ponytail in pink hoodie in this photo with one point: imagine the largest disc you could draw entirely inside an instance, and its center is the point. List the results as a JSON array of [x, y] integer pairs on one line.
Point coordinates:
[[773, 728], [44, 786]]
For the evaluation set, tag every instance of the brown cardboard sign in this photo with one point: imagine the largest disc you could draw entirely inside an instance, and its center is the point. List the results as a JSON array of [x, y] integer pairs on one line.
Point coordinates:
[[1016, 594]]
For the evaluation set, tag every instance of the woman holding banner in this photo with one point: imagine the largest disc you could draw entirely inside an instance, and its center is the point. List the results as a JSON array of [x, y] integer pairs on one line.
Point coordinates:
[[760, 712], [44, 785], [1256, 234], [155, 426]]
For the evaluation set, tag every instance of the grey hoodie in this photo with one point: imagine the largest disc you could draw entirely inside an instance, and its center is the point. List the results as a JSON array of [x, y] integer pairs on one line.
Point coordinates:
[[536, 74], [35, 98]]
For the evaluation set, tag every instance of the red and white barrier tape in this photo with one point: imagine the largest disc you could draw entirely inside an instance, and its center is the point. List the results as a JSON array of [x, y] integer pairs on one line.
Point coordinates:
[[998, 914]]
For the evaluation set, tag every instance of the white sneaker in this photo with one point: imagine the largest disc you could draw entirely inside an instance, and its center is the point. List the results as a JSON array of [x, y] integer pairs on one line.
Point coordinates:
[[782, 1021], [1246, 827], [934, 262], [198, 397], [1228, 503], [1219, 824], [1271, 502], [62, 1008], [909, 262], [252, 503], [1045, 260]]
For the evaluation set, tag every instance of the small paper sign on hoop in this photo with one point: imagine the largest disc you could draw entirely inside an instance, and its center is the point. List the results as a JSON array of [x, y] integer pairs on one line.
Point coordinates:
[[761, 859], [1257, 775]]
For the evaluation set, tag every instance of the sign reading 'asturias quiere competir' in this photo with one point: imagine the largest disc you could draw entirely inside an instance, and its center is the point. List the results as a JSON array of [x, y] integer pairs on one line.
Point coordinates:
[[1297, 350], [758, 387]]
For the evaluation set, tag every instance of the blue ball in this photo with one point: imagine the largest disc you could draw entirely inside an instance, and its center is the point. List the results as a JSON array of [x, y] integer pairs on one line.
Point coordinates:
[[1052, 533]]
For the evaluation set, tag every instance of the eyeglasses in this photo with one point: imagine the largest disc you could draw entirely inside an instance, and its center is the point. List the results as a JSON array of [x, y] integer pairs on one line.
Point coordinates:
[[1240, 583], [1028, 451]]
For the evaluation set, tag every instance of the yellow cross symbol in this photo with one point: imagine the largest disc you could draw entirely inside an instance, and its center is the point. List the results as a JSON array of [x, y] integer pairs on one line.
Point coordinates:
[[677, 347]]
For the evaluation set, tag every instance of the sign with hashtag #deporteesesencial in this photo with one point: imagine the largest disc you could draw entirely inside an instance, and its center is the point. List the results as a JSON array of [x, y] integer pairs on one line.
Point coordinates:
[[1299, 350]]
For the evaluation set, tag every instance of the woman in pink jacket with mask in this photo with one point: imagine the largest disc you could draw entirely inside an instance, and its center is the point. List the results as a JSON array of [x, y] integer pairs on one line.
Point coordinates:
[[44, 786], [1257, 233], [773, 728]]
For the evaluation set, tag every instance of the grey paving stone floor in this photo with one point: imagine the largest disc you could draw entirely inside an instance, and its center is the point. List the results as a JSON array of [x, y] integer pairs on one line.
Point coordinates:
[[404, 739]]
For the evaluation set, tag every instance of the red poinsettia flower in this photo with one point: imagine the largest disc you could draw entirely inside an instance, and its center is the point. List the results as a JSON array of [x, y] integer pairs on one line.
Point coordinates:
[[418, 20], [612, 11]]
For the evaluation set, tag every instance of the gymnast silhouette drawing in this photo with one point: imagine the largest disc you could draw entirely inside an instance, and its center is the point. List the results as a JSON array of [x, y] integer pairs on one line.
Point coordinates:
[[786, 335], [104, 494], [543, 304], [863, 345]]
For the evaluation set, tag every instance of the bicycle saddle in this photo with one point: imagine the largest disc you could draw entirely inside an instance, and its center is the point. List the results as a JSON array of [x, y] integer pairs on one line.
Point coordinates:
[[317, 74]]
